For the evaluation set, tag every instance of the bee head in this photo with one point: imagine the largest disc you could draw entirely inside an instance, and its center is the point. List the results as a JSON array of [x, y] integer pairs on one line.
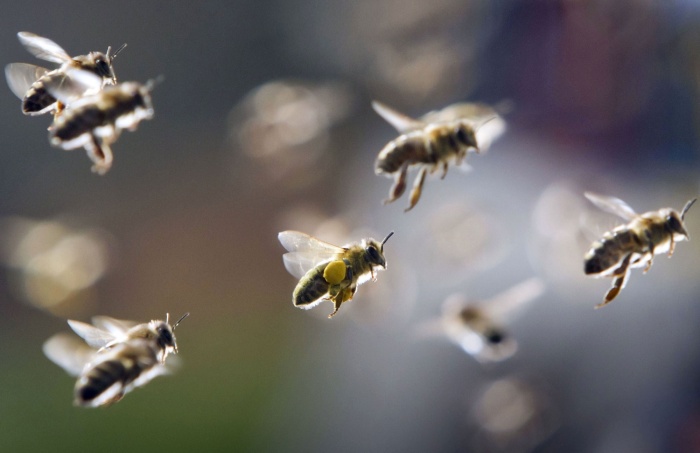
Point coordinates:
[[375, 251], [674, 221], [165, 334], [465, 135]]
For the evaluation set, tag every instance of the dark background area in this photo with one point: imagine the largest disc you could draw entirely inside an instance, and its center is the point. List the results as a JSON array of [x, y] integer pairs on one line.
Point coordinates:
[[605, 99]]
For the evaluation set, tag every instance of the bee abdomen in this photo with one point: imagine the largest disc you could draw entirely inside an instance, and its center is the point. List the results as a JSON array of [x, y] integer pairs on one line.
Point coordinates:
[[99, 379], [73, 124], [37, 99], [311, 288], [399, 152], [608, 252]]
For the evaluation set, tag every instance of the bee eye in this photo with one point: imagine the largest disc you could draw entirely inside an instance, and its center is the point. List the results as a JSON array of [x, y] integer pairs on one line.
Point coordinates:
[[463, 136], [103, 68], [166, 336], [674, 224], [373, 253]]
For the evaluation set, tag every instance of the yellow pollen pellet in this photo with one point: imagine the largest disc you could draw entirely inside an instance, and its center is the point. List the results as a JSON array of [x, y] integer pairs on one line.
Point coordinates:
[[334, 272]]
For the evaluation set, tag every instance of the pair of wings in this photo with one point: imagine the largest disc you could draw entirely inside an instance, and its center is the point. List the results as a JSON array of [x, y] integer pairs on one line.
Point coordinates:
[[71, 354], [488, 124], [21, 76], [612, 205], [306, 252]]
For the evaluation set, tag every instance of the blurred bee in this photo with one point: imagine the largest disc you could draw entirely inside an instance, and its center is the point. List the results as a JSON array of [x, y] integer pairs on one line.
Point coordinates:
[[633, 244], [328, 272], [28, 82], [477, 327], [96, 121], [119, 356], [431, 143]]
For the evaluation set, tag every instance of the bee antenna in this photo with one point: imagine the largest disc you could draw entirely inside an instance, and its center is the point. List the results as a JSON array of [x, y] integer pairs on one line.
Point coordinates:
[[386, 239], [687, 206], [116, 52], [180, 320]]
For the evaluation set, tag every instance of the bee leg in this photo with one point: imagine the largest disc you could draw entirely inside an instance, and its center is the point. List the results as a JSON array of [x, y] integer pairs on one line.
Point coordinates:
[[650, 254], [671, 247], [101, 154], [621, 275], [343, 296], [445, 166], [417, 188], [399, 184]]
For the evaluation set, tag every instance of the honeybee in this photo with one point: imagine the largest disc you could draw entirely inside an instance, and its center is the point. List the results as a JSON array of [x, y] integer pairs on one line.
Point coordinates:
[[95, 121], [329, 272], [633, 244], [478, 326], [28, 82], [429, 143], [119, 356]]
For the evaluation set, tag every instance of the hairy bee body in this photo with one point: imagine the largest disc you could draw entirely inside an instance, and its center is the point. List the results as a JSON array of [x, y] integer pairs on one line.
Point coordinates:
[[633, 244], [30, 82], [116, 107], [429, 144], [328, 272], [116, 371], [118, 357], [96, 121]]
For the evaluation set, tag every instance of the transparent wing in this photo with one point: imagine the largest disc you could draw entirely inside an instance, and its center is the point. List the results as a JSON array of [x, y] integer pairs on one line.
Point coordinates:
[[21, 76], [507, 303], [94, 337], [66, 351], [612, 205], [116, 327], [74, 86], [402, 123], [43, 48], [305, 252]]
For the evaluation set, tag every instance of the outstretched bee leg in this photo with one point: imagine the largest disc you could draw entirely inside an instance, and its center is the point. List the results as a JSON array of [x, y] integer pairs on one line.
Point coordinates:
[[399, 184], [417, 188], [344, 296], [621, 275], [650, 254], [445, 166], [100, 153], [60, 106], [671, 247]]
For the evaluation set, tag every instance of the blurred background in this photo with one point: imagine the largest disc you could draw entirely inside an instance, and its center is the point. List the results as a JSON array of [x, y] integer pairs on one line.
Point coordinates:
[[263, 123]]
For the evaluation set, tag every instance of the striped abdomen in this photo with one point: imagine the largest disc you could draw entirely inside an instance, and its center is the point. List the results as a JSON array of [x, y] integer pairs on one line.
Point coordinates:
[[613, 248], [407, 149], [37, 98], [110, 377], [311, 287]]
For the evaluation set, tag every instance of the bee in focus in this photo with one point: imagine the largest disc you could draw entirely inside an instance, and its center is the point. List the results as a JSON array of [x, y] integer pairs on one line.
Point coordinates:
[[431, 143], [95, 121], [478, 326], [28, 82], [633, 244], [119, 356], [329, 272]]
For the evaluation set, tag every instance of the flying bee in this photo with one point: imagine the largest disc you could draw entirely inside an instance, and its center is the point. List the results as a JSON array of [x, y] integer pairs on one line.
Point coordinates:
[[478, 326], [329, 272], [28, 82], [429, 144], [96, 121], [119, 356], [633, 244]]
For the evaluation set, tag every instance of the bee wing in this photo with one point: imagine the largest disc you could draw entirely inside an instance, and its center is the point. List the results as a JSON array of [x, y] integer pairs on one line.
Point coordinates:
[[116, 327], [43, 48], [73, 86], [68, 352], [611, 205], [305, 252], [21, 76], [402, 123], [507, 303], [94, 337]]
